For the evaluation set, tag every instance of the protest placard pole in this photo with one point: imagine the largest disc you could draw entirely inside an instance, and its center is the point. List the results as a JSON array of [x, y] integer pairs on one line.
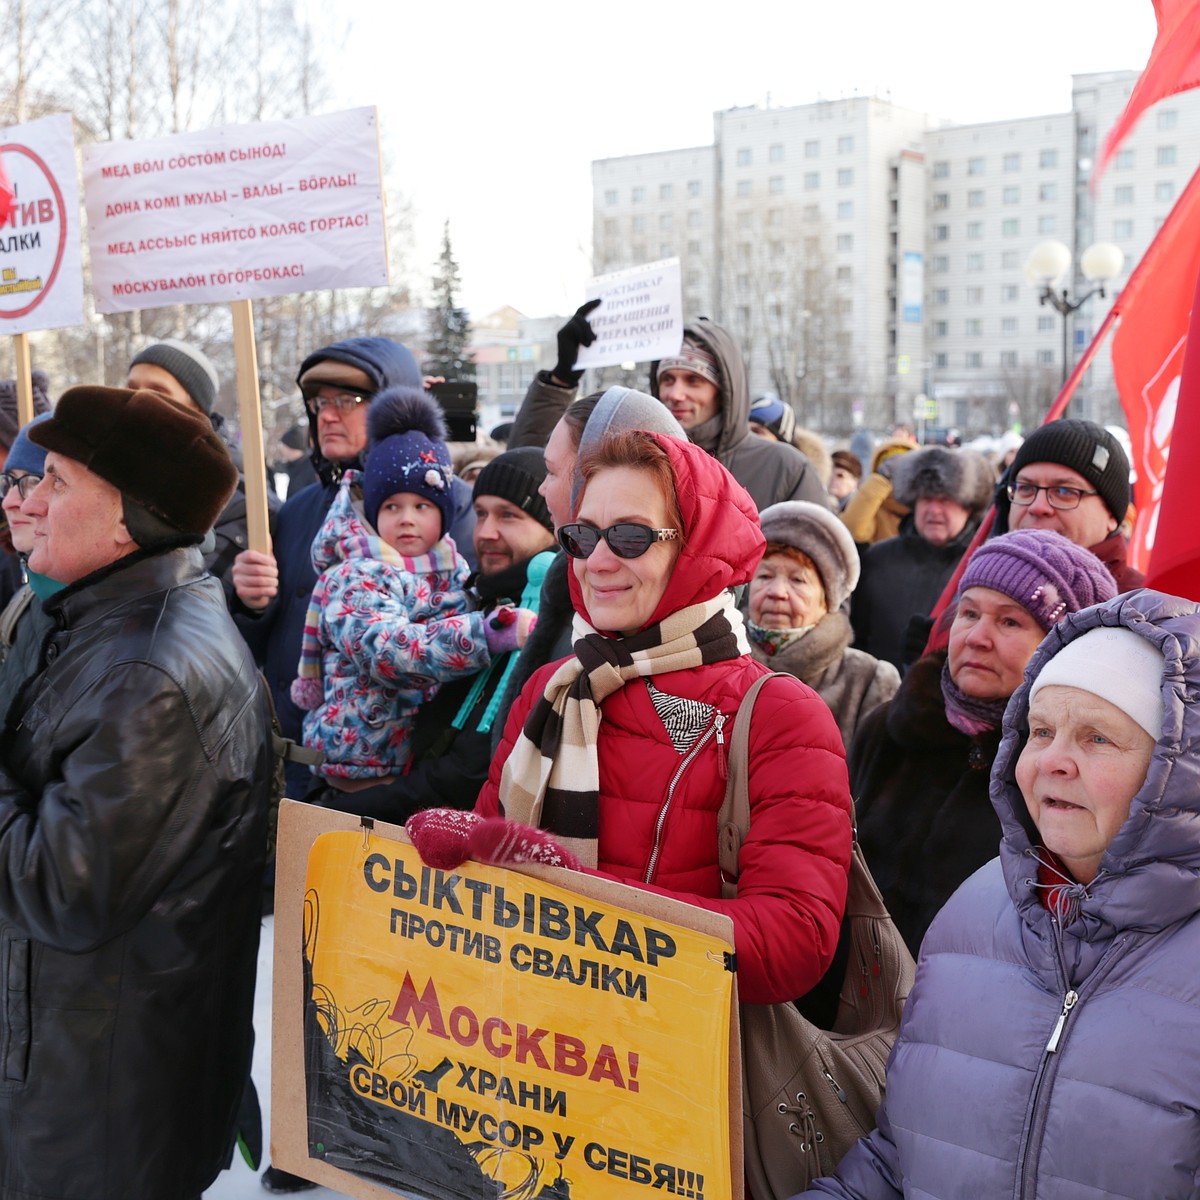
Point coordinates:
[[250, 418], [24, 379]]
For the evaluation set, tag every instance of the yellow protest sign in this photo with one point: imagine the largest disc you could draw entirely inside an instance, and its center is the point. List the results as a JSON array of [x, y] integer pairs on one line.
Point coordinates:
[[486, 1033]]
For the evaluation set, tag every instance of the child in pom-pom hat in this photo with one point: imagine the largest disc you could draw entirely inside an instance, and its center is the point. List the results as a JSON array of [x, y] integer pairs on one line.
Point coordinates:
[[388, 620]]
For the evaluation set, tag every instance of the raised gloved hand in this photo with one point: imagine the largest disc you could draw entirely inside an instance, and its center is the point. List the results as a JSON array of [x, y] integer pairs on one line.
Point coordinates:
[[506, 628], [575, 333], [500, 842], [440, 836]]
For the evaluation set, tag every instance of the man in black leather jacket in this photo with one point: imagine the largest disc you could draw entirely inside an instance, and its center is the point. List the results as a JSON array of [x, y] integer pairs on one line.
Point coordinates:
[[134, 777]]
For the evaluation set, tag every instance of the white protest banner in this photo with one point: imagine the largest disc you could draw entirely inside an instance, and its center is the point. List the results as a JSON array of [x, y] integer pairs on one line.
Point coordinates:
[[41, 280], [640, 317], [237, 212]]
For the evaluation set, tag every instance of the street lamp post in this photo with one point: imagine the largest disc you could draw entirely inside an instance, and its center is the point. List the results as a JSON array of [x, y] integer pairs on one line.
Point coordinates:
[[1047, 267]]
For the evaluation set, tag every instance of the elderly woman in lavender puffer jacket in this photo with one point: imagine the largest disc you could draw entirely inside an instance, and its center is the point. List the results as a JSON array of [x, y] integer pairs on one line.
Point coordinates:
[[1051, 1043]]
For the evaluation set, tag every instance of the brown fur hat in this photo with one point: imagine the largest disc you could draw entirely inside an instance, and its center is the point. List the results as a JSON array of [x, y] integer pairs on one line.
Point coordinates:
[[962, 475], [154, 452]]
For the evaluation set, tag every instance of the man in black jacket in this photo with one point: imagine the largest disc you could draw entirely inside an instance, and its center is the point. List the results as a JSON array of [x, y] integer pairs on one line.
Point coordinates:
[[134, 776]]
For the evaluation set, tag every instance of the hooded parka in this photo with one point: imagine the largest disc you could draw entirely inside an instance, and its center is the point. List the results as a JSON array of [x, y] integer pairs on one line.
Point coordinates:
[[794, 863], [1047, 1057]]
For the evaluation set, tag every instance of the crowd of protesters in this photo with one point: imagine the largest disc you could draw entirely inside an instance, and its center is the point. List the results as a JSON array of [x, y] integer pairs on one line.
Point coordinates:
[[538, 658]]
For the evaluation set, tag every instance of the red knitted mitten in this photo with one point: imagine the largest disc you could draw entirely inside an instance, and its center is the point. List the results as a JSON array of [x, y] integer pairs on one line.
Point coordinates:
[[440, 836], [495, 840]]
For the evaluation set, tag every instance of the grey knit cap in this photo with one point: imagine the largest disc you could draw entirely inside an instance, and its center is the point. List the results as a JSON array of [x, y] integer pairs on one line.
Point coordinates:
[[815, 531], [190, 366]]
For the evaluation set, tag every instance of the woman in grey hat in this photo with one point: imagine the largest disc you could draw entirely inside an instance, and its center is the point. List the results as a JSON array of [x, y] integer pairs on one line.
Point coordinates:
[[797, 619]]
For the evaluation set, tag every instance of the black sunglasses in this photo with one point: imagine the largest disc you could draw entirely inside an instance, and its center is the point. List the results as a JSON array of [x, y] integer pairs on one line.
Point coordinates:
[[626, 540], [24, 484]]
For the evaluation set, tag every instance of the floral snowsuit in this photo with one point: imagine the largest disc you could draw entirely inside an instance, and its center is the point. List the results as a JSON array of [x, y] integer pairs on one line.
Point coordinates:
[[382, 632]]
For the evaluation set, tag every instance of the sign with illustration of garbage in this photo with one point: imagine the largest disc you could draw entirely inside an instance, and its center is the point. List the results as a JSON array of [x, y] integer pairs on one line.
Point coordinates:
[[484, 1032], [41, 279]]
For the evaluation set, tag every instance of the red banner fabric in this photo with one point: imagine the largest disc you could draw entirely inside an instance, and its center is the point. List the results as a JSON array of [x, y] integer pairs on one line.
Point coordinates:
[[7, 195], [1174, 66]]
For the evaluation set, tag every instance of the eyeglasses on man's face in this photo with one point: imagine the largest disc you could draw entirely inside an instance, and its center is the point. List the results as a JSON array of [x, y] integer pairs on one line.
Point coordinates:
[[627, 539], [1057, 496], [344, 402]]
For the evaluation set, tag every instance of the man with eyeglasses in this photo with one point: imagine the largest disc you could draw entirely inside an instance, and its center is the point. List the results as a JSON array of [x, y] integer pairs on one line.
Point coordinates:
[[10, 567], [1072, 476]]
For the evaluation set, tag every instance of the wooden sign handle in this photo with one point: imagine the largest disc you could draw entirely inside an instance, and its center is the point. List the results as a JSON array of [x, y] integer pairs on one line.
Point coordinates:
[[258, 534]]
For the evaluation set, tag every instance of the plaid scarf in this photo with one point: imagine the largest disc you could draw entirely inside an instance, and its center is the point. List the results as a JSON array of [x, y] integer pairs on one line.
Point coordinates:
[[552, 776]]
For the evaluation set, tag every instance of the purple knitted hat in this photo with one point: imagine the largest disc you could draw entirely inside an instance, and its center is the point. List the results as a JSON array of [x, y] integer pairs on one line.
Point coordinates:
[[1046, 574]]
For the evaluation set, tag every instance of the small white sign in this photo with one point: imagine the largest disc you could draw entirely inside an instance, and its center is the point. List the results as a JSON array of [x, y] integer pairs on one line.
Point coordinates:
[[41, 278], [640, 318], [237, 212]]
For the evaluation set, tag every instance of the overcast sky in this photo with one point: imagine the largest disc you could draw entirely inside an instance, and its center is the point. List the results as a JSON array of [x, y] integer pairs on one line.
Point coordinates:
[[491, 113]]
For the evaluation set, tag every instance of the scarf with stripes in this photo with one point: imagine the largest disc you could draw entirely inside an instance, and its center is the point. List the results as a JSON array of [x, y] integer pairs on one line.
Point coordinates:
[[552, 776]]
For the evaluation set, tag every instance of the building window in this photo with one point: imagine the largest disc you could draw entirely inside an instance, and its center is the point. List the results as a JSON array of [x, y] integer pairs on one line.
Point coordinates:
[[941, 328], [775, 153], [941, 200], [695, 219], [1045, 358], [1045, 324], [975, 295], [666, 250], [974, 230], [1009, 292], [812, 246], [940, 360], [845, 242], [974, 262], [1048, 224], [974, 327], [775, 185], [1048, 159], [939, 264], [693, 277], [812, 212], [1168, 119], [1008, 326], [611, 227], [666, 222], [1010, 227], [744, 188], [743, 282], [1125, 160], [975, 166], [744, 157], [1165, 156], [845, 210], [812, 180], [975, 198], [745, 251], [610, 196], [639, 224], [745, 219], [941, 170], [941, 233], [695, 248], [1012, 195], [845, 177], [664, 191], [1123, 194], [1010, 259], [1164, 190], [845, 274], [638, 251], [1012, 162], [812, 149], [637, 195], [775, 250], [941, 295], [693, 188], [775, 217], [1008, 358], [974, 360], [1047, 192], [846, 143], [1122, 230]]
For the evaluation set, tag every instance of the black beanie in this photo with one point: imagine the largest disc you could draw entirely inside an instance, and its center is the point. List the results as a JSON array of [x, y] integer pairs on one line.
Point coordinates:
[[515, 476], [1086, 448], [194, 370]]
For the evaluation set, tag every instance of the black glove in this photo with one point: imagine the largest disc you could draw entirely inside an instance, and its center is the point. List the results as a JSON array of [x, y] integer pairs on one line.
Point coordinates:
[[575, 333]]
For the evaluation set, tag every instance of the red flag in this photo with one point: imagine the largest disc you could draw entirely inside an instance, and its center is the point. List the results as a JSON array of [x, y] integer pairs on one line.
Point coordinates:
[[1147, 358], [7, 194], [1174, 66]]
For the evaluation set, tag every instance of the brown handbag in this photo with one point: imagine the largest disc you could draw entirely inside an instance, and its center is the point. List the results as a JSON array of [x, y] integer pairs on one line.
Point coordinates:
[[809, 1094]]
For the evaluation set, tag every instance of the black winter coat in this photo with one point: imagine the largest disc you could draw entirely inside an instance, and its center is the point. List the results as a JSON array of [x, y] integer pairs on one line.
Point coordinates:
[[133, 811], [920, 787]]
